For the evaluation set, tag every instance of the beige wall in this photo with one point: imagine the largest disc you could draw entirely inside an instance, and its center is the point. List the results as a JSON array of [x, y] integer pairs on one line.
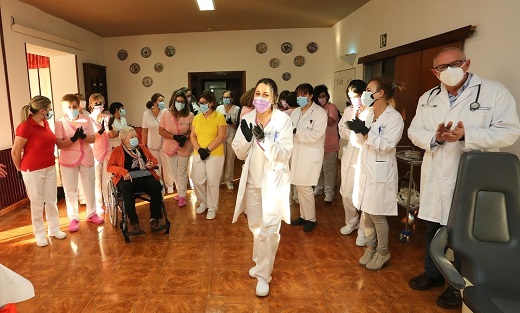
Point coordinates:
[[493, 48]]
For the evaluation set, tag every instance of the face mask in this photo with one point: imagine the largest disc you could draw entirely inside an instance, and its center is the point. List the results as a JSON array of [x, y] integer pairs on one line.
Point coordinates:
[[367, 98], [160, 105], [356, 102], [204, 107], [452, 76], [226, 101], [122, 112], [261, 105], [49, 115], [302, 101], [83, 104], [284, 103], [97, 109], [134, 142], [179, 105], [322, 101], [72, 114]]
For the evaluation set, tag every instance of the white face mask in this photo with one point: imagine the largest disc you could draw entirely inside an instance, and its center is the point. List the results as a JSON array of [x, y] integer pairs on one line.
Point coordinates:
[[452, 76], [82, 104], [367, 98]]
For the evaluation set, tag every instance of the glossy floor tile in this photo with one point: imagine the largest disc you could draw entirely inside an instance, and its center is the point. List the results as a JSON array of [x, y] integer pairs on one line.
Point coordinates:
[[202, 265]]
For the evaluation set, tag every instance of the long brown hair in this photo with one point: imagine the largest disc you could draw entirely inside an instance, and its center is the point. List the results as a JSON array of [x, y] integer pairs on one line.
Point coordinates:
[[388, 86]]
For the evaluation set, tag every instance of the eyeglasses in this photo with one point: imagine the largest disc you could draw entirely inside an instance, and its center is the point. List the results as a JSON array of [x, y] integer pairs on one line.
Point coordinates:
[[443, 67]]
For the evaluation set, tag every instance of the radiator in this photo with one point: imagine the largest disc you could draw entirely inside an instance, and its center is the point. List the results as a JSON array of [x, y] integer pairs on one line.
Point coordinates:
[[12, 188]]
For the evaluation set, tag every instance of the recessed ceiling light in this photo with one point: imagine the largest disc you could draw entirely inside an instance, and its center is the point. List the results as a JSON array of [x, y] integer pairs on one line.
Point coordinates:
[[206, 5]]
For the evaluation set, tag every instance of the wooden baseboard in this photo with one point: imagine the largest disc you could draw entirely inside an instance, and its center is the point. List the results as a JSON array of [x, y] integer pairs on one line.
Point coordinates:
[[15, 206]]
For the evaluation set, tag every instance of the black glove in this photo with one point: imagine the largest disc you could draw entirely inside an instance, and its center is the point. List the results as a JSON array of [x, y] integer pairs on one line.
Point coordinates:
[[204, 153], [258, 131], [102, 129], [111, 122], [294, 131], [247, 131], [76, 135], [82, 135], [357, 126], [181, 139], [229, 121]]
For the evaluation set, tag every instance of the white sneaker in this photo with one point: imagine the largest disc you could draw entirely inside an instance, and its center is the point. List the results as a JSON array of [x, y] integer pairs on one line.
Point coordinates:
[[201, 209], [367, 257], [170, 190], [252, 272], [262, 288], [58, 234], [346, 230], [211, 214], [41, 241], [328, 198], [318, 192], [378, 261], [230, 186], [361, 239]]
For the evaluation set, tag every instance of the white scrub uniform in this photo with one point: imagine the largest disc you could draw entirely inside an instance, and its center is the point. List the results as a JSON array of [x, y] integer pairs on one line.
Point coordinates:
[[264, 187], [493, 125]]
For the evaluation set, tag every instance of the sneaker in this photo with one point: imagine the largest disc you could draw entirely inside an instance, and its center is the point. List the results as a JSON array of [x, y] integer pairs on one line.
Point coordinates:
[[73, 226], [423, 282], [298, 222], [170, 190], [211, 214], [176, 197], [252, 272], [318, 192], [182, 201], [346, 230], [309, 226], [450, 299], [96, 219], [328, 198], [378, 261], [262, 288], [201, 209], [230, 186], [361, 240], [58, 234], [295, 198], [41, 241], [367, 257]]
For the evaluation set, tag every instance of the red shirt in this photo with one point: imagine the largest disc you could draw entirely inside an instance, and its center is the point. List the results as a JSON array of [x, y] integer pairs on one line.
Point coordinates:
[[38, 152]]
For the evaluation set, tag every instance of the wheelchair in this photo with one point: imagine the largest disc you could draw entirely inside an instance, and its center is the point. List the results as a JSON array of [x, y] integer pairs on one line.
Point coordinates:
[[116, 207]]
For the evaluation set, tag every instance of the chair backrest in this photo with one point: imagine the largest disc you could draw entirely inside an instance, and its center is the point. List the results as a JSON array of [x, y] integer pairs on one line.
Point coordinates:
[[484, 221]]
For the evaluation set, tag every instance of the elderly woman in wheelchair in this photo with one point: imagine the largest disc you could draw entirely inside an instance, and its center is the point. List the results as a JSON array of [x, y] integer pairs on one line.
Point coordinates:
[[132, 166]]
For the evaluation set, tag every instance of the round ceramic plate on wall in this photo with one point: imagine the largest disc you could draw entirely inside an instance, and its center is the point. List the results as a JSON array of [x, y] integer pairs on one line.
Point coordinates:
[[274, 62], [312, 47], [147, 81], [261, 47], [286, 76], [135, 68], [286, 47], [169, 51], [122, 55], [158, 67], [299, 60], [146, 52]]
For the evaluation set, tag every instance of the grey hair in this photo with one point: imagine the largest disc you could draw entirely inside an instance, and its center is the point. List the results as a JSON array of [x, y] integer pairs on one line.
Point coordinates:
[[123, 133], [449, 49]]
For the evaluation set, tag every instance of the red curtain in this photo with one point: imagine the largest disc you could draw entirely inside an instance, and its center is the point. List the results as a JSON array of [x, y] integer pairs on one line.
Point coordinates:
[[35, 61]]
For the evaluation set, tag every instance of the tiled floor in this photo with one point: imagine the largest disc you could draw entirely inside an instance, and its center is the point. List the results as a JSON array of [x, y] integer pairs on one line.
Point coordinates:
[[202, 266]]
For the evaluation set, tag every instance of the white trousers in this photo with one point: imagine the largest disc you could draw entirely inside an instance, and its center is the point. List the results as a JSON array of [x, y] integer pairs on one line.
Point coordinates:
[[164, 171], [327, 181], [206, 179], [178, 167], [266, 238], [101, 191], [69, 178], [41, 187], [229, 163], [307, 204]]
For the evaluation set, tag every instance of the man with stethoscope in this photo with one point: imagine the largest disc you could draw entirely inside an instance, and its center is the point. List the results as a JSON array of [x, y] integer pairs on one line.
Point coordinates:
[[465, 112]]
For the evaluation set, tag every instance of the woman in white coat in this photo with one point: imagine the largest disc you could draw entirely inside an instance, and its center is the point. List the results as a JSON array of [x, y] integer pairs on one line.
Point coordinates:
[[376, 132], [309, 122], [263, 192], [348, 162]]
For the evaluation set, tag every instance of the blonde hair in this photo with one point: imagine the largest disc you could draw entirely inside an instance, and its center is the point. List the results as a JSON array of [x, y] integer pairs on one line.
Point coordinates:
[[123, 133], [388, 86], [36, 104], [95, 97]]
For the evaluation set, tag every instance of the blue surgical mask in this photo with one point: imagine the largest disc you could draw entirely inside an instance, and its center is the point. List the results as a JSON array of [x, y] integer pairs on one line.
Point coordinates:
[[226, 101], [179, 105], [134, 142], [204, 107], [122, 112], [72, 114], [160, 105], [302, 101], [49, 115]]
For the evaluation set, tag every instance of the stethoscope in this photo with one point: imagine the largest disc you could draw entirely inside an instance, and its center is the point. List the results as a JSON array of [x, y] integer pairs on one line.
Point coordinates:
[[475, 105]]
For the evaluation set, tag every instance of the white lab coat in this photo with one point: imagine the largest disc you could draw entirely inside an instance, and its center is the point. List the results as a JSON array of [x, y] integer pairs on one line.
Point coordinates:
[[376, 179], [275, 185], [492, 126], [309, 141], [350, 153]]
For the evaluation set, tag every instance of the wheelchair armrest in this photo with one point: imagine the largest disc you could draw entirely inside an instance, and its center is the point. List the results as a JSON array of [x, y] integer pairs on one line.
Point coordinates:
[[438, 254]]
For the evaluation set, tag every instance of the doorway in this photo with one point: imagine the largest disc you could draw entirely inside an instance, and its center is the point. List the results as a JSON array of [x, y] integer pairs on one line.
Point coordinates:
[[218, 82]]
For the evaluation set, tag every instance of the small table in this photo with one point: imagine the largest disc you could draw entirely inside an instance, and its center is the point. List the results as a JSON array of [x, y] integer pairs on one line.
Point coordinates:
[[414, 160]]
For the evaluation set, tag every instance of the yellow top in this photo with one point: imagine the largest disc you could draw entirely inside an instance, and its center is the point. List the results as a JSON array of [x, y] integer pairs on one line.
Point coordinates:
[[206, 129]]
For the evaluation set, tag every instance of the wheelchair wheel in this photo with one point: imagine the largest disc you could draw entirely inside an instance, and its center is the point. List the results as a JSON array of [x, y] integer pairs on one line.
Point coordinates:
[[113, 202]]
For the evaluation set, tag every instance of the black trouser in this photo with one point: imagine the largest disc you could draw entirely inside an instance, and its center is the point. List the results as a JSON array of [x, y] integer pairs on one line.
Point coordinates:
[[430, 268], [149, 185]]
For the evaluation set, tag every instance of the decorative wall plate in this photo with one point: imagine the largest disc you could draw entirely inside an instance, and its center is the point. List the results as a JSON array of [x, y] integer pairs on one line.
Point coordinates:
[[274, 62], [261, 47], [299, 60], [286, 47], [312, 47], [169, 51], [147, 81], [146, 52], [135, 68], [158, 67], [286, 76], [122, 55]]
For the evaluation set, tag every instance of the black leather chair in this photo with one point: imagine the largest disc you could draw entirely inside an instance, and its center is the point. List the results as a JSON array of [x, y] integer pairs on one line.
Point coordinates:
[[484, 232]]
